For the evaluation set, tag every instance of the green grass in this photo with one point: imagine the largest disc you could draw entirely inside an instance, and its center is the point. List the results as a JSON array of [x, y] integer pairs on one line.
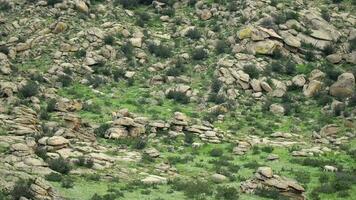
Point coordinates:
[[120, 96]]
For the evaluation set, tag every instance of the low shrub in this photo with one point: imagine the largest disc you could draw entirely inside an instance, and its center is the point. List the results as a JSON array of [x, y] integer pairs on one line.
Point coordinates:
[[4, 49], [222, 47], [325, 14], [41, 152], [65, 80], [178, 96], [53, 2], [142, 18], [54, 177], [67, 182], [83, 162], [160, 50], [252, 165], [309, 56], [352, 101], [194, 34], [95, 81], [188, 138], [28, 90], [101, 130], [81, 53], [251, 70], [352, 44], [328, 49], [109, 40], [193, 188], [60, 165], [216, 152], [44, 115], [51, 105], [267, 149], [199, 54], [21, 189], [227, 193], [270, 193], [127, 49], [178, 69], [217, 98], [5, 6]]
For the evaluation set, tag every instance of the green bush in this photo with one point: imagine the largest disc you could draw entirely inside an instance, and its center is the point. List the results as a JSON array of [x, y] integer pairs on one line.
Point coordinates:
[[325, 14], [290, 68], [127, 4], [216, 152], [222, 47], [127, 49], [142, 18], [328, 49], [169, 11], [267, 149], [41, 152], [65, 80], [96, 81], [29, 90], [101, 130], [193, 188], [44, 115], [215, 86], [53, 2], [67, 182], [5, 6], [194, 34], [140, 143], [309, 56], [270, 193], [227, 193], [188, 138], [178, 96], [21, 189], [160, 50], [252, 71], [81, 53], [177, 70], [51, 105], [4, 49], [199, 54], [352, 101], [109, 40], [352, 44], [83, 162], [252, 165], [217, 98], [54, 177], [60, 165]]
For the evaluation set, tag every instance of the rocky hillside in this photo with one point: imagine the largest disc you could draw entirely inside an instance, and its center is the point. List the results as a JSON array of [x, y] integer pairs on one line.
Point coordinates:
[[177, 99]]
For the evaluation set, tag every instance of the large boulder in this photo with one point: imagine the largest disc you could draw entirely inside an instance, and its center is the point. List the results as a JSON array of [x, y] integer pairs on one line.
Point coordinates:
[[265, 47], [312, 88], [344, 86]]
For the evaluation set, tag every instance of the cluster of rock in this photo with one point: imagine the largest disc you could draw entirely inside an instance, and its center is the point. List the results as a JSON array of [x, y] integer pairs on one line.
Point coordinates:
[[264, 178], [279, 139], [330, 134], [42, 190], [23, 121], [126, 124]]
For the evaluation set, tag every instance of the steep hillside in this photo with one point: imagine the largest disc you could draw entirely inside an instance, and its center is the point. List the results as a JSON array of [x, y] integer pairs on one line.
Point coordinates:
[[177, 99]]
